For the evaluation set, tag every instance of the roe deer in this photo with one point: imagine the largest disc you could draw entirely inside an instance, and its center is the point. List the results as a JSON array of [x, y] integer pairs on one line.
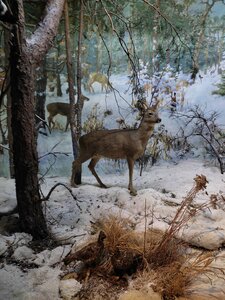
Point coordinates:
[[100, 78], [60, 108], [182, 84], [126, 144], [147, 87]]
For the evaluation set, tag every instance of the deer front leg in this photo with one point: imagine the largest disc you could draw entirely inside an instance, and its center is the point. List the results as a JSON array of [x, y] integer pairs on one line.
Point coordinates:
[[130, 162], [51, 123], [90, 87], [91, 167], [104, 87]]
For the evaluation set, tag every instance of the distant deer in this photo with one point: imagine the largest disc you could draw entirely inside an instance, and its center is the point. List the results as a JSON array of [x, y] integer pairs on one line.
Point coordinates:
[[100, 78], [60, 108], [181, 87], [182, 84], [126, 144], [147, 88]]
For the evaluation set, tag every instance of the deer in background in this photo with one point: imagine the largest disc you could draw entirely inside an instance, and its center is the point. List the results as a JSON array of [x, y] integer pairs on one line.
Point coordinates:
[[126, 144], [181, 87], [60, 108], [148, 88], [100, 78]]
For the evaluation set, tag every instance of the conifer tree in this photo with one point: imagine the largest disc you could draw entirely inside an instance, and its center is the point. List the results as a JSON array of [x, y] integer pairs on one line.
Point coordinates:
[[221, 86]]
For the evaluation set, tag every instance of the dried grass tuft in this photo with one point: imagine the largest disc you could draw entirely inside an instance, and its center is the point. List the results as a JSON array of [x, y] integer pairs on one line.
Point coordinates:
[[172, 252], [119, 232], [175, 279], [169, 268]]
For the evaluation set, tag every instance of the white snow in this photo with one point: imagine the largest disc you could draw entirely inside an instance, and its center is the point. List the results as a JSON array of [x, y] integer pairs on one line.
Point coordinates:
[[161, 188]]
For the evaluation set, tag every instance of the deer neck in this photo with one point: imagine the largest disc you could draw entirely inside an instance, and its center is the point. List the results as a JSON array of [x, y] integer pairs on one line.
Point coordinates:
[[145, 130]]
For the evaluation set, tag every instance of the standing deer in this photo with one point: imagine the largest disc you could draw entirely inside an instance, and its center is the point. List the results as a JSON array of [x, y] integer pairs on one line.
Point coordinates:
[[126, 144], [60, 108], [100, 78], [181, 87]]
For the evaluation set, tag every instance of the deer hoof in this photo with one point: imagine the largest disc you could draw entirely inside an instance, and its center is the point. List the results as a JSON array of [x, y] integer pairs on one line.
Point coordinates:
[[133, 192]]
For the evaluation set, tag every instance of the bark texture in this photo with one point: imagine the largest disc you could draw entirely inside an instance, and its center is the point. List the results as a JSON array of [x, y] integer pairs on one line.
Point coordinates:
[[25, 56]]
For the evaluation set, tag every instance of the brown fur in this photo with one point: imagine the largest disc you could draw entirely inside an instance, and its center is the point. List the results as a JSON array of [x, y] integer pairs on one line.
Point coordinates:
[[60, 108], [100, 78], [116, 144]]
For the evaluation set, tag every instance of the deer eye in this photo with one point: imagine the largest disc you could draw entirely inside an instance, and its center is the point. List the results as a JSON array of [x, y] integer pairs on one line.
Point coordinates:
[[150, 114]]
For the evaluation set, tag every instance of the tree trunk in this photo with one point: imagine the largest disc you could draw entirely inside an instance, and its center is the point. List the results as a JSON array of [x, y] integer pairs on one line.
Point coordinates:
[[80, 102], [24, 137], [155, 58], [41, 84], [7, 37], [76, 131], [58, 68], [79, 71], [70, 82], [25, 55], [58, 84], [10, 136]]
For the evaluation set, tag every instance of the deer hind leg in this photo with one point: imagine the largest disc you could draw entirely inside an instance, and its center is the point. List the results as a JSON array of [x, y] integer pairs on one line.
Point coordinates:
[[91, 167], [90, 87], [105, 87], [51, 123], [132, 190]]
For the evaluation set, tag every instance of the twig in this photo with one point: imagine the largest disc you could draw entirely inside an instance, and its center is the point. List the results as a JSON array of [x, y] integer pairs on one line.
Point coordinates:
[[145, 232], [202, 127], [46, 198], [72, 236], [55, 154], [4, 147], [41, 123], [182, 216]]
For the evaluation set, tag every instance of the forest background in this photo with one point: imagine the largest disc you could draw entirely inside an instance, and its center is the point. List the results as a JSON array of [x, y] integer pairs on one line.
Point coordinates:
[[157, 46], [149, 52]]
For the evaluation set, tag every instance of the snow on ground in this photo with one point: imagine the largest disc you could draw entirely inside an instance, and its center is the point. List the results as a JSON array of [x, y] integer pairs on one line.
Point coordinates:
[[161, 189]]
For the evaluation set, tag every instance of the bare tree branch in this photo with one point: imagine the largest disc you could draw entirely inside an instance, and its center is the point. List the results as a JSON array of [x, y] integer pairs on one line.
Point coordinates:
[[206, 128], [40, 41]]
